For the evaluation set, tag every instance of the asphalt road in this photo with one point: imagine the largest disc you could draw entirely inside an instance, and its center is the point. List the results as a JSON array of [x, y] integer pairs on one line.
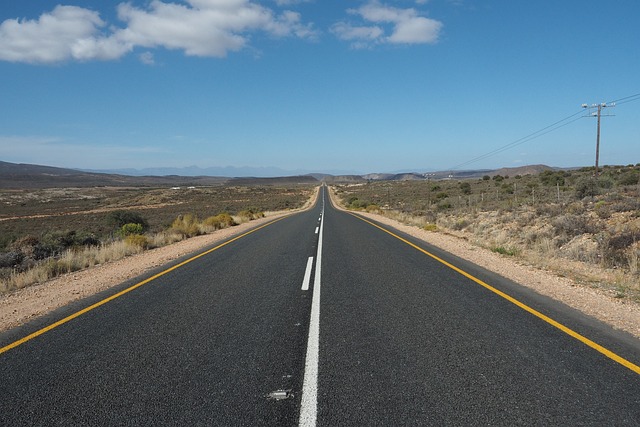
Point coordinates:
[[385, 335]]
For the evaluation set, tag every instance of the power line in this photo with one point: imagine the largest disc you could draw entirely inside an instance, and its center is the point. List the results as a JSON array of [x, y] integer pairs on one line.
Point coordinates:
[[625, 99], [545, 130]]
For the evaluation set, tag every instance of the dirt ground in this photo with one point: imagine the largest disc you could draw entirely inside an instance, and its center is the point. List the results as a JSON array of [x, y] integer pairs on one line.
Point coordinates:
[[25, 304]]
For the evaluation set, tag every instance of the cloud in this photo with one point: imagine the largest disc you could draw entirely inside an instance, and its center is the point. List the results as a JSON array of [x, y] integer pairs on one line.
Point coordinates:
[[197, 27], [67, 32], [147, 58], [407, 26], [291, 2], [350, 32]]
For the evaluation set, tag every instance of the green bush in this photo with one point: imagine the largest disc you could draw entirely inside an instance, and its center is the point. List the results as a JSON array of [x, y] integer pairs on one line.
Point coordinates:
[[552, 178], [505, 251], [586, 187], [120, 217], [131, 229], [629, 178], [465, 187]]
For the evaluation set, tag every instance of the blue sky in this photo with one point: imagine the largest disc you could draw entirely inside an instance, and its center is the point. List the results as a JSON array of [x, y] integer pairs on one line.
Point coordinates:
[[325, 86]]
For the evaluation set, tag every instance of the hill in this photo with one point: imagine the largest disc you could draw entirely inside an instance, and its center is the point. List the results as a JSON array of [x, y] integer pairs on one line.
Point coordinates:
[[16, 176]]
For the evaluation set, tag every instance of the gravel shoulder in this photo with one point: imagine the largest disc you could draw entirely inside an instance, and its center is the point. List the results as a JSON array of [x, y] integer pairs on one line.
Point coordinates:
[[25, 304]]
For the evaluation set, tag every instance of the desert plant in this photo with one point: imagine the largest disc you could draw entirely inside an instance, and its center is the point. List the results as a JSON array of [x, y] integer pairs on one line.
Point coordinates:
[[430, 227], [572, 225], [137, 240], [602, 209], [505, 251], [117, 219], [186, 225], [586, 187], [131, 229], [250, 214]]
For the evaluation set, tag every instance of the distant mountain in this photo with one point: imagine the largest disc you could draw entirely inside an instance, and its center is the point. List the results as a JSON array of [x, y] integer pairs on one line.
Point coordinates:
[[227, 171], [523, 170], [222, 171], [14, 175]]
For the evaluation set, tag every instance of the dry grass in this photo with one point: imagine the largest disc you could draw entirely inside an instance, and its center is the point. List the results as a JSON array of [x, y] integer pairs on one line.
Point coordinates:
[[75, 259], [70, 261]]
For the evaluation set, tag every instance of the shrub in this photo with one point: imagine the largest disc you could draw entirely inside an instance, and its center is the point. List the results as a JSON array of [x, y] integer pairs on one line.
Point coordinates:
[[505, 251], [186, 225], [507, 188], [465, 187], [629, 178], [226, 219], [250, 214], [121, 217], [25, 245], [131, 229], [602, 209], [586, 187], [11, 259], [572, 225], [460, 224], [552, 178], [213, 222], [219, 221], [430, 227], [137, 240]]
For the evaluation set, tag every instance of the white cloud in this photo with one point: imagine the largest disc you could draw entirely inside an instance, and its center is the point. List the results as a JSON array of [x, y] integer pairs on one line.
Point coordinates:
[[67, 32], [350, 32], [147, 58], [407, 26], [198, 27], [291, 2]]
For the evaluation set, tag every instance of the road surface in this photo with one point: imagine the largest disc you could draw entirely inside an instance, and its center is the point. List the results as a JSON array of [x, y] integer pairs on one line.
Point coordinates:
[[320, 318]]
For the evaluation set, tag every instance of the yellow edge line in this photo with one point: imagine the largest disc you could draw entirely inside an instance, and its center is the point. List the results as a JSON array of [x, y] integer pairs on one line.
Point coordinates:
[[611, 355], [125, 291]]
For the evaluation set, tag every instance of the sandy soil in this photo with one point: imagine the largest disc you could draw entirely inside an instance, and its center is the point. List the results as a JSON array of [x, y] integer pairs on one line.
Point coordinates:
[[25, 304]]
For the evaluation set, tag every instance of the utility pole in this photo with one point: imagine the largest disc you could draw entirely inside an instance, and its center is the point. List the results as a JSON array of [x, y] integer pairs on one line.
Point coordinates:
[[598, 114]]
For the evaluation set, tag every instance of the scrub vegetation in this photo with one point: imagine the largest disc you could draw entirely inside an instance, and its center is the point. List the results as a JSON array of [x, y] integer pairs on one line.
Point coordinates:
[[48, 232], [566, 221]]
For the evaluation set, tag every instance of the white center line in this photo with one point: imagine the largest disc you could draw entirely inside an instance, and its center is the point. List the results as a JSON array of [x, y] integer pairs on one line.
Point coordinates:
[[307, 275], [309, 404]]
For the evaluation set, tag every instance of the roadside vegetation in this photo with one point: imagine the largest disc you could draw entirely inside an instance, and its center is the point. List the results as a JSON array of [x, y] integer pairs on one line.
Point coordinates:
[[565, 221], [34, 251]]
